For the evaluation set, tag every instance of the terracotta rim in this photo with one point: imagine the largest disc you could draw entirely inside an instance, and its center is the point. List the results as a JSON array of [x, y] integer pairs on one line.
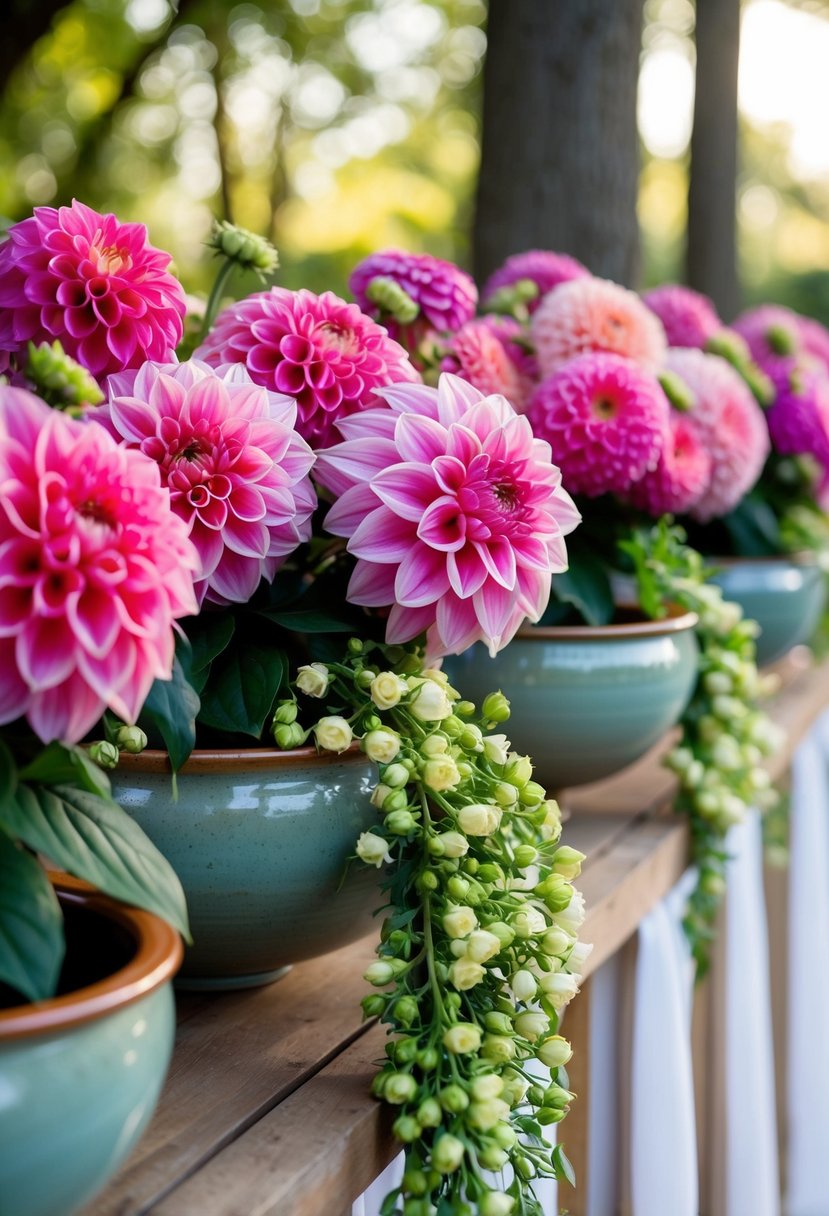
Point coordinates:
[[205, 760], [803, 557], [157, 959], [678, 620]]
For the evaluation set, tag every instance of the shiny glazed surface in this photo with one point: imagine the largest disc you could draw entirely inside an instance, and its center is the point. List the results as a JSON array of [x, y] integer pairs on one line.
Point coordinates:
[[785, 596]]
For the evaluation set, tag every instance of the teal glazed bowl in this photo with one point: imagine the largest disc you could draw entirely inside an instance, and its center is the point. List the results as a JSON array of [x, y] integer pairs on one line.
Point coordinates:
[[785, 595], [587, 701], [260, 840], [80, 1074]]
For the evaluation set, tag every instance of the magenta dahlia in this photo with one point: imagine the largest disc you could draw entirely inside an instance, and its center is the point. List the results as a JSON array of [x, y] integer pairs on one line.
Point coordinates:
[[454, 511], [815, 339], [446, 295], [477, 354], [94, 570], [235, 467], [730, 424], [94, 283], [606, 420], [798, 421], [595, 315], [325, 353], [681, 476], [689, 318], [772, 334], [541, 266]]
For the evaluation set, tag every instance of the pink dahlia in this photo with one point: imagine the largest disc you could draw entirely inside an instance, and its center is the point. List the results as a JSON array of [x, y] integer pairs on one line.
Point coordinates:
[[606, 420], [325, 353], [515, 341], [595, 315], [229, 454], [477, 355], [541, 266], [689, 318], [730, 424], [94, 569], [772, 333], [680, 477], [446, 295], [815, 340], [798, 421], [94, 283], [454, 511]]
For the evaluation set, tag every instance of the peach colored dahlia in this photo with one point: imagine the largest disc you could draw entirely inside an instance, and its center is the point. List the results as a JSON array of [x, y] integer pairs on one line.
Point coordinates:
[[94, 570], [454, 511], [477, 354], [94, 283], [325, 353]]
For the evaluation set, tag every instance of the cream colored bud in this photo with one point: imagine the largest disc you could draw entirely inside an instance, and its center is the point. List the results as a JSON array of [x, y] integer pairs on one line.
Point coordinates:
[[479, 819], [333, 734], [386, 689], [379, 794], [559, 987], [454, 844], [440, 773], [482, 946], [484, 1088], [313, 679], [496, 748], [532, 1025], [567, 862], [459, 922], [524, 985], [381, 745], [372, 849], [430, 702], [571, 918], [485, 1115], [556, 941], [528, 921], [447, 1153], [554, 1052], [464, 973], [461, 1038]]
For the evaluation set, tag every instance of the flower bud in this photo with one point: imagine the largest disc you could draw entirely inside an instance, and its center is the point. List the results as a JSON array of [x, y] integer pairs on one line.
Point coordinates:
[[487, 1086], [479, 819], [498, 1023], [386, 689], [427, 1058], [428, 881], [485, 1115], [246, 248], [571, 918], [505, 935], [495, 1203], [461, 1038], [528, 922], [401, 823], [524, 985], [558, 1098], [491, 1157], [285, 712], [559, 987], [333, 734], [481, 946], [104, 754], [406, 1128], [495, 707], [578, 956], [390, 297], [554, 1052], [130, 739], [532, 794], [531, 1025], [440, 773], [471, 738], [519, 770], [430, 702], [379, 794], [379, 973], [372, 849], [434, 745], [499, 1048], [465, 974], [429, 1113], [405, 1010], [496, 748], [313, 679], [505, 794], [525, 855], [400, 1087], [567, 862], [373, 1006], [288, 735], [556, 942], [459, 922], [447, 1154], [453, 1099], [396, 776], [380, 745]]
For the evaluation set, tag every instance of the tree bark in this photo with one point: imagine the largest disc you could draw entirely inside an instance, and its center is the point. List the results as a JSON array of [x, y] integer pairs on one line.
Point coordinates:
[[560, 148], [711, 259]]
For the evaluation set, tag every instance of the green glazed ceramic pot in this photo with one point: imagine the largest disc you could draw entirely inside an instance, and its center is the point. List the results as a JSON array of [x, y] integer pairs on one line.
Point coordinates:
[[587, 701], [260, 840], [785, 595], [80, 1074]]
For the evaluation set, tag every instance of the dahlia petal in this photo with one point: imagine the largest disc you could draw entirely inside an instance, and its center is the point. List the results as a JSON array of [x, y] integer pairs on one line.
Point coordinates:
[[236, 577], [407, 489], [353, 461], [66, 712], [45, 653], [404, 623], [457, 624], [467, 572], [421, 577], [349, 509], [419, 440], [443, 525], [95, 621], [14, 693], [383, 536], [498, 557], [372, 584]]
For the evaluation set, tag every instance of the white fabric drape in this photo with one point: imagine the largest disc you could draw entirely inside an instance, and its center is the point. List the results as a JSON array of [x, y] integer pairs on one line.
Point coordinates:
[[808, 978]]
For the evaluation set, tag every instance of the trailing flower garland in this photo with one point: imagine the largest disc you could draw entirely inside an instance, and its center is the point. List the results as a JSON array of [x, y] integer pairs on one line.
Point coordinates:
[[479, 951], [725, 733]]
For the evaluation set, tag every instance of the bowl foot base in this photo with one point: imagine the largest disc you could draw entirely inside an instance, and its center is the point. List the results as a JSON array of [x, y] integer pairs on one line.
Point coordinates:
[[228, 983]]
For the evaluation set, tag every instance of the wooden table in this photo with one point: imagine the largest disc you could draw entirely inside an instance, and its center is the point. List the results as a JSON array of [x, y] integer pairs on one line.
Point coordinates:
[[266, 1109]]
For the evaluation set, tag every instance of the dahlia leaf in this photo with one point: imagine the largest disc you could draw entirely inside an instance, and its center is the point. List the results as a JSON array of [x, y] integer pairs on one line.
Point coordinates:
[[754, 529], [31, 926], [8, 778], [172, 706], [586, 586], [244, 683], [309, 621], [94, 839], [208, 636], [59, 763]]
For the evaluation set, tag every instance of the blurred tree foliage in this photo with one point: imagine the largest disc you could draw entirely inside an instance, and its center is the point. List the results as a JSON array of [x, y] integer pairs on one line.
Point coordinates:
[[334, 126]]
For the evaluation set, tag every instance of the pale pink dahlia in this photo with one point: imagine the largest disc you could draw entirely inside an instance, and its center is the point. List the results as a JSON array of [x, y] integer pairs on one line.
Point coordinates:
[[680, 477], [606, 420], [689, 318], [772, 333], [595, 315], [798, 421], [325, 353], [229, 454], [515, 340], [454, 511], [94, 569], [446, 295], [477, 355], [730, 424], [94, 283], [541, 266]]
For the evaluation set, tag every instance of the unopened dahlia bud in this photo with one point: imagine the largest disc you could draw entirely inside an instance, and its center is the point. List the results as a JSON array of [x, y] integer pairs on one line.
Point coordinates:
[[58, 379], [677, 391], [391, 298], [130, 739], [104, 754], [245, 248]]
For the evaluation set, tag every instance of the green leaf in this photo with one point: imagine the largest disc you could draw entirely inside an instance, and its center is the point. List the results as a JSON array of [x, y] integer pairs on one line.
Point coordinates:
[[94, 839], [31, 925], [244, 683], [172, 706], [586, 586], [8, 773], [753, 528], [209, 634], [59, 764], [309, 620], [563, 1166]]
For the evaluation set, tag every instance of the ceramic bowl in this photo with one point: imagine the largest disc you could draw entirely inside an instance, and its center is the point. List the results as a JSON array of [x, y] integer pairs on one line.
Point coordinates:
[[785, 595]]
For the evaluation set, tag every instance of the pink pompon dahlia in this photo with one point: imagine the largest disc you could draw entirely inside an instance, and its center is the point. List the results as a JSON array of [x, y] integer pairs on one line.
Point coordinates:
[[730, 424], [689, 318], [94, 283], [606, 420], [772, 333], [815, 339], [325, 353], [94, 569], [235, 467], [454, 511], [680, 477], [541, 266], [515, 340], [477, 355], [595, 315], [798, 421], [445, 295]]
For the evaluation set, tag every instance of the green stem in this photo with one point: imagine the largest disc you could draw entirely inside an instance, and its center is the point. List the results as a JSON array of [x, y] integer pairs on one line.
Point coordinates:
[[215, 298]]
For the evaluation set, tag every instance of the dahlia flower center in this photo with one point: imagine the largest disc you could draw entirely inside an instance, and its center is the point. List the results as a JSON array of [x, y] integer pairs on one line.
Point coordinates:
[[490, 498], [337, 337], [96, 516], [604, 408], [108, 259]]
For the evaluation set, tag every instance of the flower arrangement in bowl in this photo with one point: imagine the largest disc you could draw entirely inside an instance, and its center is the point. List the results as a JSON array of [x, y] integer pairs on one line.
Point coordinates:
[[342, 526]]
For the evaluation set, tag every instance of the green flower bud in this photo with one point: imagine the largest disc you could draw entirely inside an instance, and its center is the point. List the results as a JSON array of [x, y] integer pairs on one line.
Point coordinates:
[[373, 1006], [525, 855], [364, 678], [429, 1113], [245, 248], [523, 1167], [518, 771], [505, 794], [405, 1127], [491, 1157], [505, 935], [289, 735], [390, 297], [499, 1048], [428, 881], [104, 754], [379, 973], [401, 823], [59, 380], [355, 646], [677, 391], [532, 793], [504, 1135], [535, 1095], [130, 739], [400, 1087], [453, 1099], [495, 707], [427, 1058], [558, 1098], [447, 1154], [567, 861], [395, 775], [286, 712], [414, 1182], [457, 887], [405, 1051], [548, 1114], [405, 1010], [465, 708]]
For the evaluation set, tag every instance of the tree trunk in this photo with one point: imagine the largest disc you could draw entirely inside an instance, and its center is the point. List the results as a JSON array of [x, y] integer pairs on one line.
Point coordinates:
[[711, 262], [560, 149]]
